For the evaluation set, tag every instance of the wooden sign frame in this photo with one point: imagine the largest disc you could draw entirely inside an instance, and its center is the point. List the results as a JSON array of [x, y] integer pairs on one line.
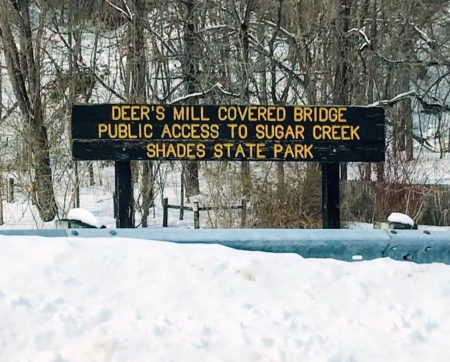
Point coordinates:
[[326, 134]]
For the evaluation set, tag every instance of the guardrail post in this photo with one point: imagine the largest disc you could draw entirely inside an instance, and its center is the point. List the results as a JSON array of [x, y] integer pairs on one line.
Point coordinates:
[[196, 210], [165, 212]]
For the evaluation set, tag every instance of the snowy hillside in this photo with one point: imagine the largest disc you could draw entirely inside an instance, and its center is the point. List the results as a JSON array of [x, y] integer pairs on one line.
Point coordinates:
[[133, 300]]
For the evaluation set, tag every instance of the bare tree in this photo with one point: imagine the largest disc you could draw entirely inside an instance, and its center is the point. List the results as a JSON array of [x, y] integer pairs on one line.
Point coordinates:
[[24, 67], [190, 74]]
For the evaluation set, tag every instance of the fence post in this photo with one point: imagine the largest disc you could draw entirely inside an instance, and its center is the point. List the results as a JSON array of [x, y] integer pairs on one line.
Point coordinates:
[[76, 189], [10, 190], [196, 210], [1, 201], [116, 214], [182, 194], [243, 213], [165, 211]]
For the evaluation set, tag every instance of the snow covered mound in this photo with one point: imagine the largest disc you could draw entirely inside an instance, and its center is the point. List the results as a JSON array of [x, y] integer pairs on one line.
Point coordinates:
[[400, 218], [84, 216], [133, 300]]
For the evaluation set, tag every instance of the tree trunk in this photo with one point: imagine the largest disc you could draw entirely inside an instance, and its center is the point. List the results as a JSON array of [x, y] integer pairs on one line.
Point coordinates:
[[1, 165], [24, 73], [147, 191], [245, 165], [91, 174], [341, 90], [191, 73], [45, 200], [74, 41], [402, 115], [137, 92], [1, 197]]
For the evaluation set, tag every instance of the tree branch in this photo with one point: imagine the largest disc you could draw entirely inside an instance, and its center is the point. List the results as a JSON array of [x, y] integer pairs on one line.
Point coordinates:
[[128, 15], [217, 86], [392, 101]]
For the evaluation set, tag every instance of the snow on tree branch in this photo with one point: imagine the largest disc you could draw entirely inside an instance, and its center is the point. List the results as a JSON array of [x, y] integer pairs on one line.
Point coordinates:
[[428, 107], [392, 101], [127, 13], [216, 86], [367, 42], [424, 37]]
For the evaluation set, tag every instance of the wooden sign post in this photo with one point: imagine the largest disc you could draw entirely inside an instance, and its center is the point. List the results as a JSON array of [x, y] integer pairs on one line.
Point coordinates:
[[325, 134], [124, 195], [331, 216]]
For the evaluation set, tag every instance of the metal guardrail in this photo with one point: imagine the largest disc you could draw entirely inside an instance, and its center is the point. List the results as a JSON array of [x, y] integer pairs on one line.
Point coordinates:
[[345, 244]]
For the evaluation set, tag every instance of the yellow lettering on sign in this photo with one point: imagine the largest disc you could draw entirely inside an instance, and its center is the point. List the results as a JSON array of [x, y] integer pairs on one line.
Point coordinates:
[[277, 148], [131, 113], [238, 131], [296, 151], [190, 131], [255, 151], [319, 114], [336, 132], [222, 113], [279, 132], [239, 152], [189, 113], [232, 128], [178, 113], [251, 113], [145, 110], [147, 131], [124, 130], [190, 151], [166, 132], [232, 113], [307, 112], [102, 128], [160, 113], [218, 150], [115, 113], [260, 151], [124, 112], [201, 150], [245, 150], [262, 113]]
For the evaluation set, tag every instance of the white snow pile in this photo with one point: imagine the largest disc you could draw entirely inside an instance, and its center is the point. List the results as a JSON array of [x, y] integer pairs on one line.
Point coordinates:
[[68, 299], [400, 218], [84, 216]]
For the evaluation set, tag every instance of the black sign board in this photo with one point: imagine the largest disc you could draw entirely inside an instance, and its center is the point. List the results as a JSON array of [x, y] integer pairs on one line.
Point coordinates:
[[228, 132]]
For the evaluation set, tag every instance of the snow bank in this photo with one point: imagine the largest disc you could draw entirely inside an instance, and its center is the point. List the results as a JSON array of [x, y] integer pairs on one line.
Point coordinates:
[[134, 300]]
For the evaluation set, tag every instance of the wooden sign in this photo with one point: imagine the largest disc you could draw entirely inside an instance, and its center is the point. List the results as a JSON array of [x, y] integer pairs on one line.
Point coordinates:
[[228, 132]]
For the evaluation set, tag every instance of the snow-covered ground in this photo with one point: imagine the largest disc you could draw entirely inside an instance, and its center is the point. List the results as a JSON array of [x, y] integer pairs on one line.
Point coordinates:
[[134, 300]]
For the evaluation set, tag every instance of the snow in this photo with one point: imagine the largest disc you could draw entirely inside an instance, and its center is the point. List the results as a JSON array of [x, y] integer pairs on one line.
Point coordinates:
[[67, 299], [84, 216], [400, 218]]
